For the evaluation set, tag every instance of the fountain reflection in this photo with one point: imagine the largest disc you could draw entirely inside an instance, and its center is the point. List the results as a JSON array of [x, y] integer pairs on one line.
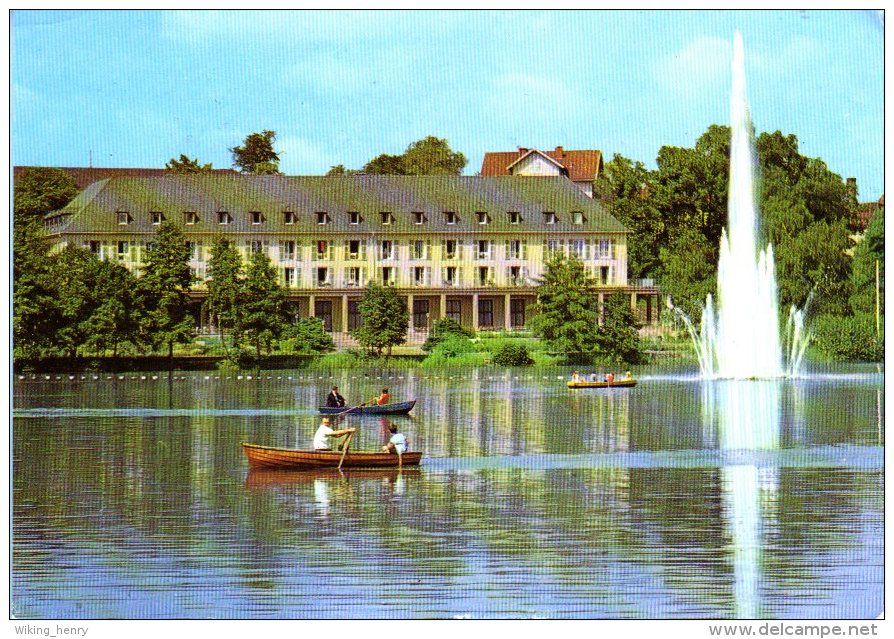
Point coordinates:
[[746, 414]]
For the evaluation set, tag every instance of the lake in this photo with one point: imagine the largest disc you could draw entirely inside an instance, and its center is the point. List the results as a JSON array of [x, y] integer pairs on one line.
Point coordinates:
[[679, 498]]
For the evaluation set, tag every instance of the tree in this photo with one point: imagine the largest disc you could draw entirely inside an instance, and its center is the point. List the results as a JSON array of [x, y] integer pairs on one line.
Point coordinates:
[[618, 336], [689, 272], [339, 169], [385, 319], [385, 164], [224, 286], [510, 354], [36, 314], [74, 280], [567, 309], [432, 156], [261, 315], [257, 150], [41, 190], [163, 288], [308, 335], [114, 319], [187, 165], [870, 252]]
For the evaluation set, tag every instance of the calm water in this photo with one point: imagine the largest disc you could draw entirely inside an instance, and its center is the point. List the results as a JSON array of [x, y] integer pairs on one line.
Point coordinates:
[[132, 499]]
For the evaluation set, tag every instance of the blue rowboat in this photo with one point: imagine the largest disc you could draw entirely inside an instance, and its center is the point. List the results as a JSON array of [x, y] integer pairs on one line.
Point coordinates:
[[400, 408]]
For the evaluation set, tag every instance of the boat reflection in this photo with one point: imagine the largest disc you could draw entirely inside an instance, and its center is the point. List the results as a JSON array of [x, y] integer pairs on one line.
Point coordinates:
[[260, 479]]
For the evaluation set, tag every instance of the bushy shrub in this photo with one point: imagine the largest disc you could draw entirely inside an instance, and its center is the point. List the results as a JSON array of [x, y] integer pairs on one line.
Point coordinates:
[[307, 335], [848, 338], [455, 350], [442, 329], [512, 354]]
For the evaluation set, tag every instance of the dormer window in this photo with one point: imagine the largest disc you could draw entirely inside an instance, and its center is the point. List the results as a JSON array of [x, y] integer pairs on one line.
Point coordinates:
[[191, 217], [354, 217], [450, 217], [223, 217], [482, 217], [578, 217], [322, 217], [288, 217], [514, 217], [256, 217], [157, 218], [550, 217], [123, 217], [418, 217], [387, 218]]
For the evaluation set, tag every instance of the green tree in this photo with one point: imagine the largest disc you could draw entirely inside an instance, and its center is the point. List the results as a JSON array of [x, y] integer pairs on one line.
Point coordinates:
[[41, 190], [187, 165], [163, 288], [36, 314], [432, 156], [870, 251], [224, 284], [74, 280], [339, 169], [567, 309], [257, 153], [385, 164], [442, 329], [308, 335], [385, 319], [114, 319], [689, 272], [510, 354], [618, 337], [261, 316]]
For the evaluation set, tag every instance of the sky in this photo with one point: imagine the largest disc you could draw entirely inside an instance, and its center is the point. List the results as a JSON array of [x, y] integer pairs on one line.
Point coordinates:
[[137, 88]]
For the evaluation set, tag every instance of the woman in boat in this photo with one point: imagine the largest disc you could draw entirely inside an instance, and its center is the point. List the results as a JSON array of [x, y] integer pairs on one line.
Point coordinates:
[[594, 377], [398, 442], [609, 377], [334, 399], [325, 432], [575, 376], [384, 398]]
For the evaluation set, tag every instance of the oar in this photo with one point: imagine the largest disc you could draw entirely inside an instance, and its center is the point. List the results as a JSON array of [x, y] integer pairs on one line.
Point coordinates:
[[344, 451], [345, 412]]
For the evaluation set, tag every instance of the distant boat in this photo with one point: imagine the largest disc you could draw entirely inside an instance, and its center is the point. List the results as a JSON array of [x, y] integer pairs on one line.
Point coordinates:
[[401, 408], [268, 457], [602, 384]]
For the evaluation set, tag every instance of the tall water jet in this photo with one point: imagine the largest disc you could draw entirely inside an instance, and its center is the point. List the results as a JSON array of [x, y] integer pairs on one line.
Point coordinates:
[[739, 336]]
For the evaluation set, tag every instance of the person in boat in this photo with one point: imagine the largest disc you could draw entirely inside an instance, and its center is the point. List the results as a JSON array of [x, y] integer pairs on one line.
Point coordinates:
[[398, 442], [609, 377], [627, 375], [384, 398], [334, 399], [575, 376], [594, 377], [325, 433]]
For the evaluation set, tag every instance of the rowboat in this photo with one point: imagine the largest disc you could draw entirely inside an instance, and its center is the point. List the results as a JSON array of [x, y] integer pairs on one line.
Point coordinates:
[[603, 384], [288, 459], [400, 408]]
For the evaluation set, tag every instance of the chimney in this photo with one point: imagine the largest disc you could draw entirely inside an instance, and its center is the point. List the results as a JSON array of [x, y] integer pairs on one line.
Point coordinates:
[[560, 150], [522, 149]]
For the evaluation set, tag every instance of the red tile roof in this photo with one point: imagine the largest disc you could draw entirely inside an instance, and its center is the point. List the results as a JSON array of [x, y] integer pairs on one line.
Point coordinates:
[[85, 176], [581, 165]]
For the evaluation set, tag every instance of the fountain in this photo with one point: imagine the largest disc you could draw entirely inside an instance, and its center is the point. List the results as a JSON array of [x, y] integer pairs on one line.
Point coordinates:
[[740, 338]]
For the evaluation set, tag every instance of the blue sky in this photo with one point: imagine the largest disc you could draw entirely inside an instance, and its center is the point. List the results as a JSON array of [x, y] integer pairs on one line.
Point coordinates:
[[136, 88]]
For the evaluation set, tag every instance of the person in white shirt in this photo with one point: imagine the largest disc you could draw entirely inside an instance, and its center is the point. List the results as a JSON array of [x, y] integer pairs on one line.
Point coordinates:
[[398, 442], [325, 433]]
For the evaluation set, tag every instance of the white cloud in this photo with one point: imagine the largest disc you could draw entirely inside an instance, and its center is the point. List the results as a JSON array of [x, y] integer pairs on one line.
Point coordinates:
[[696, 68]]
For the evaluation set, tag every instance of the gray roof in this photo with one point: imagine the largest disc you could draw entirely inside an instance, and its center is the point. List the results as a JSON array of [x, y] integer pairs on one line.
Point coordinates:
[[95, 209]]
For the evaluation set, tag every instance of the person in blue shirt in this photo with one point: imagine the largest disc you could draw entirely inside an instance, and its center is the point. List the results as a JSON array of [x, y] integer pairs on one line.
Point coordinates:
[[398, 442]]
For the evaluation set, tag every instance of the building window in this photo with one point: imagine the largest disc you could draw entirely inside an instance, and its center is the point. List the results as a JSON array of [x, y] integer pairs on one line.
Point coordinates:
[[192, 247], [353, 249], [419, 249], [387, 218], [603, 274], [455, 310], [485, 313], [550, 217], [604, 249], [123, 217], [483, 249], [354, 217], [388, 275], [354, 318], [514, 250], [514, 217], [322, 250], [450, 276], [419, 278], [288, 217], [323, 310], [256, 217], [322, 217], [420, 314], [482, 217], [386, 250], [323, 276], [578, 217], [579, 248], [95, 246], [157, 218], [257, 246], [223, 217], [450, 217], [515, 276], [553, 247], [352, 276], [288, 276], [517, 313], [418, 217], [450, 249], [123, 249]]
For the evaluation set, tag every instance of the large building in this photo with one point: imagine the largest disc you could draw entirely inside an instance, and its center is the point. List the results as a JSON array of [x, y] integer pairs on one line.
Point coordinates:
[[468, 248], [581, 167]]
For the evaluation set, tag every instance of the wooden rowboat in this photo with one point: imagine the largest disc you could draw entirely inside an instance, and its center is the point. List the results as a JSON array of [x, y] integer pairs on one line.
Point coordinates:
[[287, 459], [601, 384], [400, 408]]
